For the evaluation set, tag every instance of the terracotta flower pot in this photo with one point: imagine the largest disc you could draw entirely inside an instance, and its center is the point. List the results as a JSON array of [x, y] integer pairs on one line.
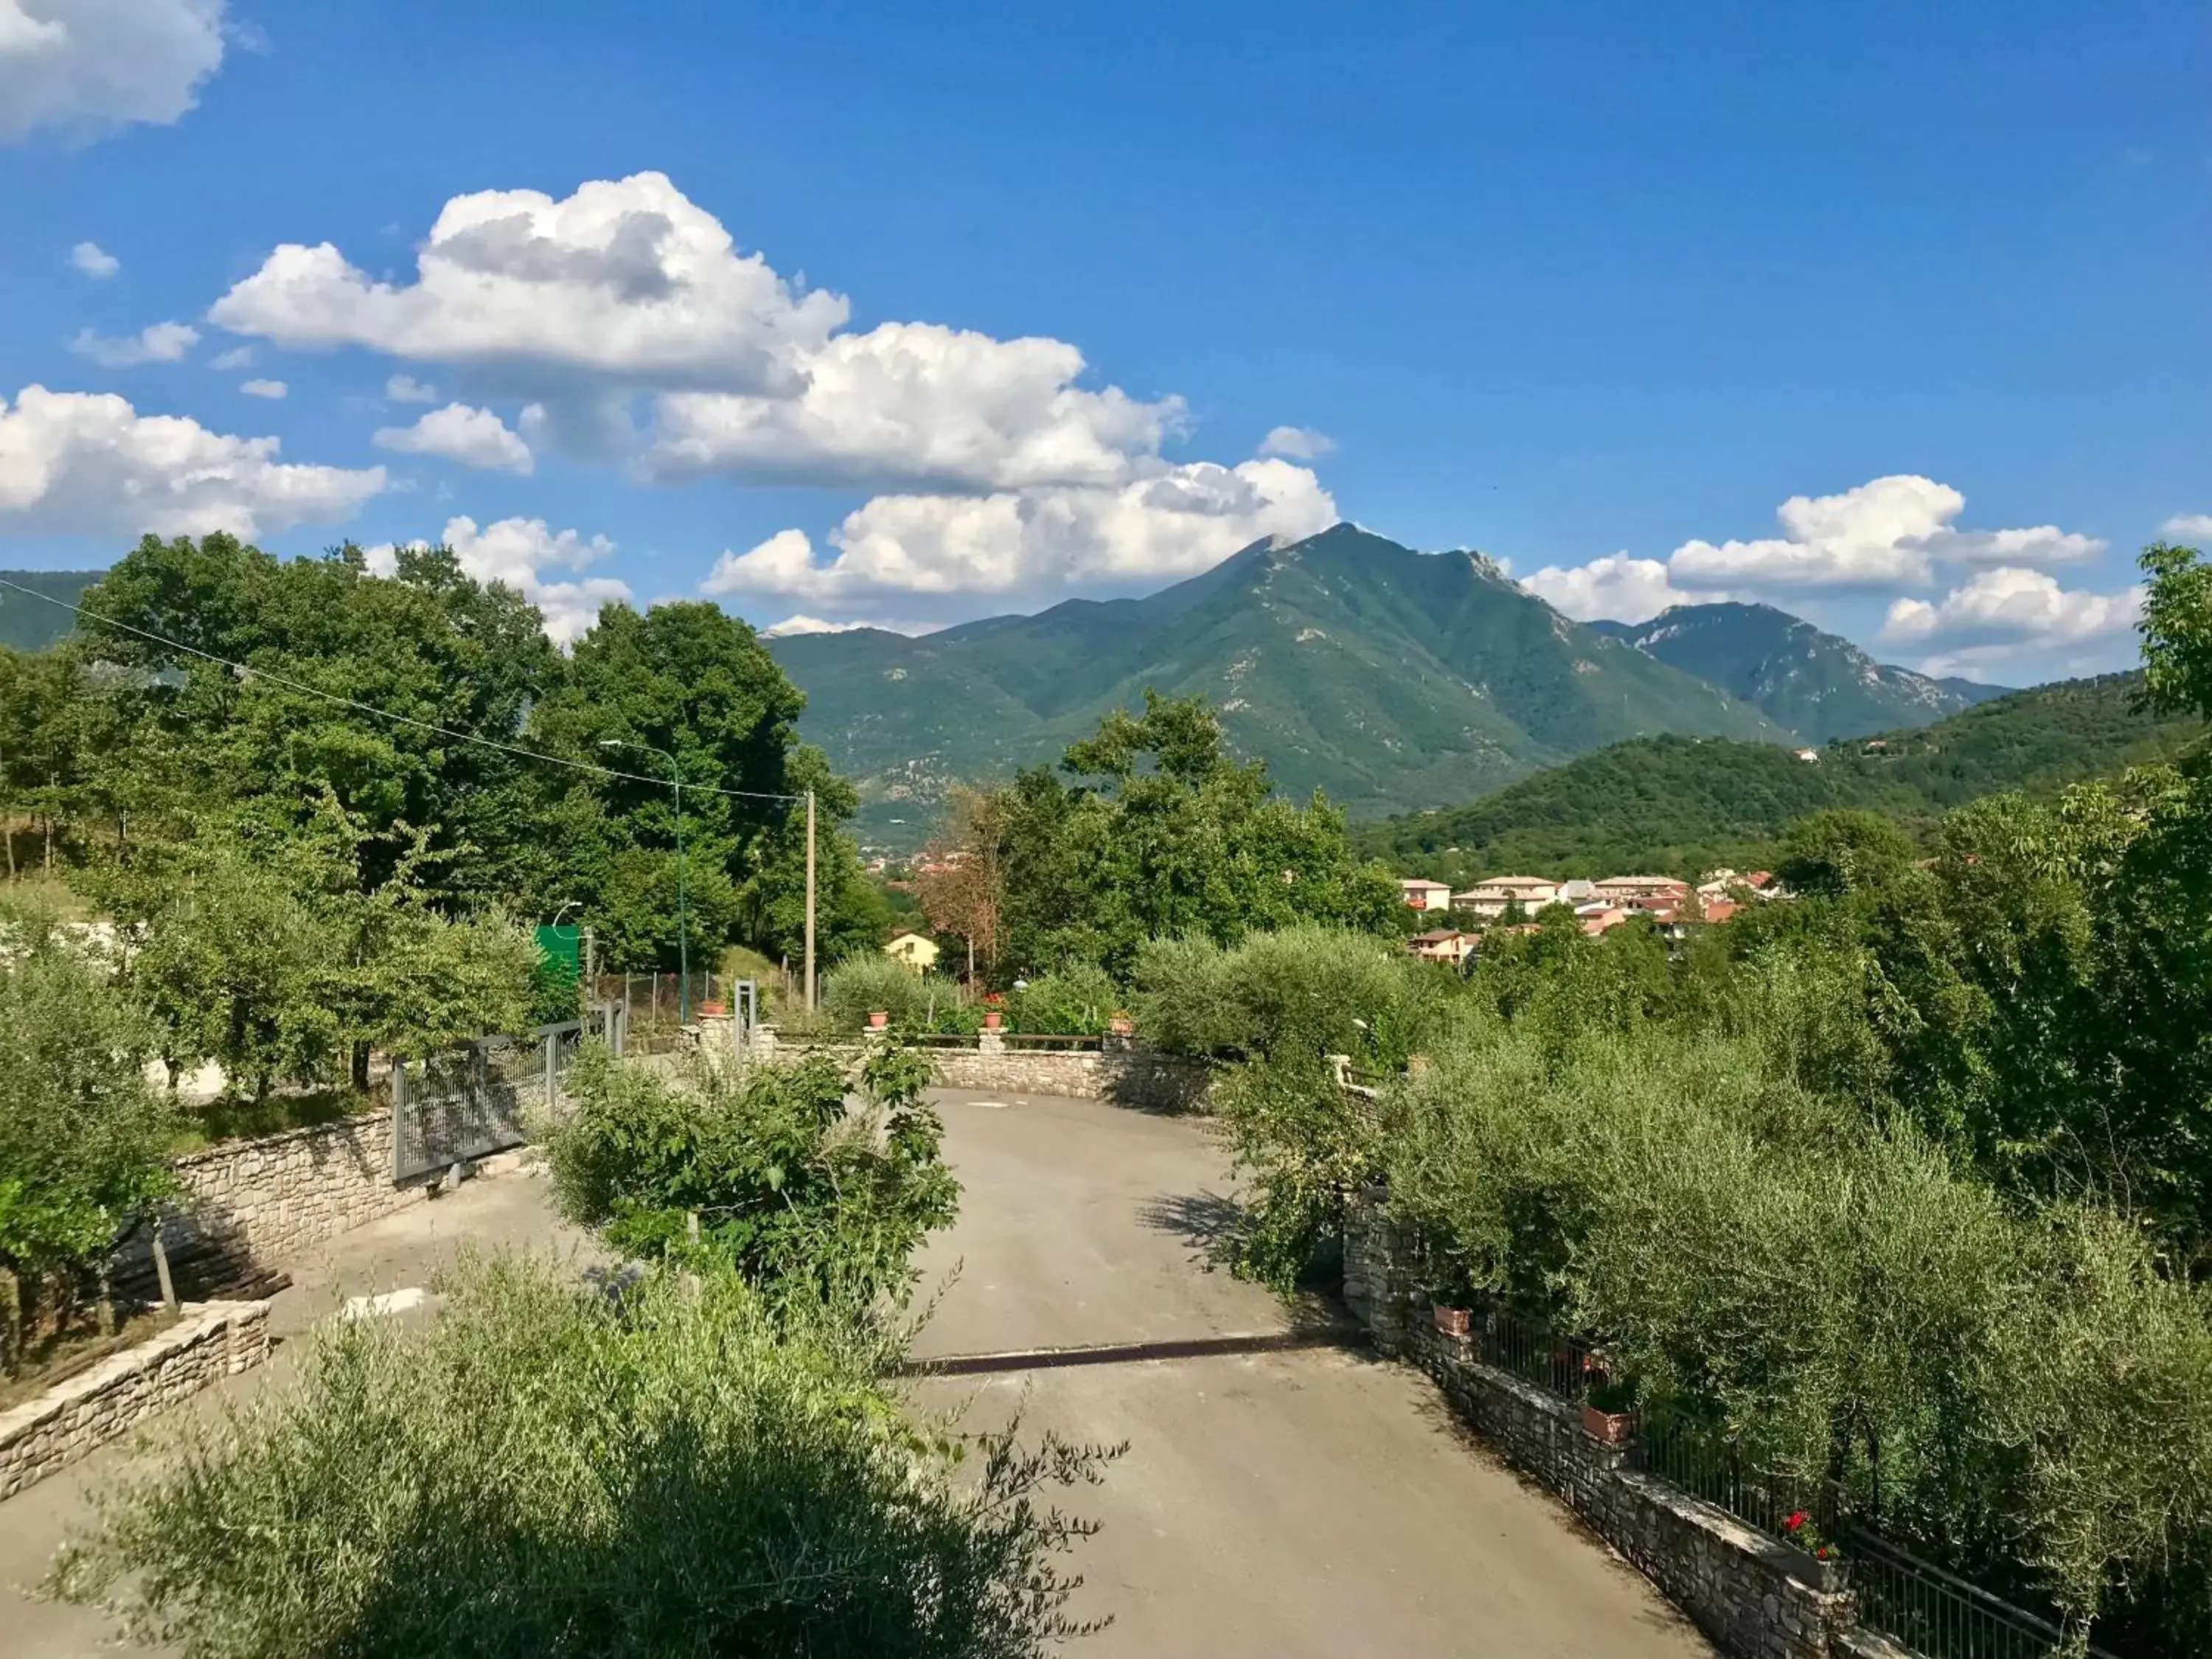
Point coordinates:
[[877, 1018], [1121, 1026], [713, 1009], [991, 1019], [1455, 1321], [1609, 1428]]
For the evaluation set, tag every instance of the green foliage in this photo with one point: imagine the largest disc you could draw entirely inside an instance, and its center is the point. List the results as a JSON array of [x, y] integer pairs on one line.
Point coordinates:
[[809, 1201], [1296, 994], [547, 1470], [1842, 851], [869, 982], [1681, 807], [1076, 1000], [83, 1141], [1175, 838]]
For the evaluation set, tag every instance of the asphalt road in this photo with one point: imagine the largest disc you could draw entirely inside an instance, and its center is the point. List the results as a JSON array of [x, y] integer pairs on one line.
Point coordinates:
[[1314, 1502]]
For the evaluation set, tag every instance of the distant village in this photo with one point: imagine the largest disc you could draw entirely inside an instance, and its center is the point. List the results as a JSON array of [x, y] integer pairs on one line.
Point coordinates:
[[1514, 902]]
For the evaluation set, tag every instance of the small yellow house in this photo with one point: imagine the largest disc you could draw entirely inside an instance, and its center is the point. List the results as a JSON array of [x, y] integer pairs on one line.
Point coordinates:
[[917, 950]]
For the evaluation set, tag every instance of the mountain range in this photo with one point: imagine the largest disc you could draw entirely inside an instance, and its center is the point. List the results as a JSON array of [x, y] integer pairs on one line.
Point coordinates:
[[1392, 679], [1679, 805], [1816, 685]]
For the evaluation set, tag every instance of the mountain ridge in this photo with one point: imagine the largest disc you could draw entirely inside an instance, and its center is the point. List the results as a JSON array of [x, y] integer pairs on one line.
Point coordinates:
[[1387, 676], [1817, 685]]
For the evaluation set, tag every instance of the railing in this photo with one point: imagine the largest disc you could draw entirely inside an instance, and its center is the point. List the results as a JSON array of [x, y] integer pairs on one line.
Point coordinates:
[[1702, 1461], [1932, 1612], [1939, 1614], [1072, 1042], [1533, 1352]]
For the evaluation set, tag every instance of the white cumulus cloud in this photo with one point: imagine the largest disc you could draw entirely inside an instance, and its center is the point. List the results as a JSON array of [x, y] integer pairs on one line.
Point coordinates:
[[264, 388], [1619, 587], [1183, 520], [1298, 443], [474, 437], [1886, 532], [93, 66], [908, 403], [89, 464], [624, 282], [406, 389], [2008, 616], [519, 552], [90, 257], [803, 623], [236, 357], [2187, 523], [159, 343]]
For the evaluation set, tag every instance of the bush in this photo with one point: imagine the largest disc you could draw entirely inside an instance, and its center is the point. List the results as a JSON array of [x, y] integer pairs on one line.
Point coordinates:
[[869, 981], [547, 1470], [83, 1140], [1313, 990], [803, 1198], [1077, 1000]]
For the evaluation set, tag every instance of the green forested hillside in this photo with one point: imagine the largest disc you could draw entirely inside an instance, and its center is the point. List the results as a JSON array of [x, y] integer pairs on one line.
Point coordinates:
[[29, 624], [1679, 805], [1346, 662]]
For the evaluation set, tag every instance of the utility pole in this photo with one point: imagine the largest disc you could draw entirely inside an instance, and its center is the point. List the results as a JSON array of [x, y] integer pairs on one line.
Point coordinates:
[[810, 901]]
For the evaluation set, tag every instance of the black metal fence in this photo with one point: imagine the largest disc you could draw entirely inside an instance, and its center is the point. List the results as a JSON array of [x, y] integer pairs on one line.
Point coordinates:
[[1932, 1612]]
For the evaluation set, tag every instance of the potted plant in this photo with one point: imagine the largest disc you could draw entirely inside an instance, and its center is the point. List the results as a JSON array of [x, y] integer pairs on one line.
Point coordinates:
[[991, 1018], [1609, 1413], [1822, 1566], [1455, 1321], [877, 1018], [713, 1009], [1121, 1024]]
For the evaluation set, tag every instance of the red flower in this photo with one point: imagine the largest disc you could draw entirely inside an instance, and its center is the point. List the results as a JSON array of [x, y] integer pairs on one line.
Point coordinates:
[[1796, 1520]]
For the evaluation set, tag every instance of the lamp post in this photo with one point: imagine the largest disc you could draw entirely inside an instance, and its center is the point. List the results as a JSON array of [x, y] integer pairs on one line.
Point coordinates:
[[682, 916]]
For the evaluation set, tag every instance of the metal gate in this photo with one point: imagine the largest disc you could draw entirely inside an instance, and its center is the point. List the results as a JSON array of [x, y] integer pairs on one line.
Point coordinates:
[[477, 1099]]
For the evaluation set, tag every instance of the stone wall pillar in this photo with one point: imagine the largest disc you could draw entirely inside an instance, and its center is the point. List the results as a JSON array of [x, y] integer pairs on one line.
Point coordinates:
[[1378, 1269]]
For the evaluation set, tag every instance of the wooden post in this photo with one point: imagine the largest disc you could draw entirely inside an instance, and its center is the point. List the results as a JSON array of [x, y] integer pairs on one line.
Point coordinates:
[[162, 1268], [810, 901]]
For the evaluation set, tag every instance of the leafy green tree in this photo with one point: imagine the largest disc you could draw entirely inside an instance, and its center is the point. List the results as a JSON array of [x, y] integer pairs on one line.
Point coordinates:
[[1174, 838], [803, 1198], [1844, 850], [547, 1470], [83, 1140]]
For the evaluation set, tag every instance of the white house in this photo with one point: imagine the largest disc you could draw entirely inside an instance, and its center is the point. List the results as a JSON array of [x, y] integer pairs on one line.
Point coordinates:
[[1444, 945], [1491, 898], [1425, 895]]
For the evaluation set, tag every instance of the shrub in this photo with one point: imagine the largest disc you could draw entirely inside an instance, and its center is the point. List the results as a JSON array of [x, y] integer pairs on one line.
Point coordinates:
[[546, 1470], [1076, 1000], [801, 1196], [83, 1140], [870, 981]]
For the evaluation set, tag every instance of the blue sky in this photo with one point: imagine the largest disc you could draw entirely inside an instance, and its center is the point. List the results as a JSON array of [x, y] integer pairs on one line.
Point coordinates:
[[1895, 316]]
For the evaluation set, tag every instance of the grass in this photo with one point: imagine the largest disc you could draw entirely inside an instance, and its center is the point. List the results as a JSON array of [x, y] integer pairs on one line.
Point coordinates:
[[232, 1118]]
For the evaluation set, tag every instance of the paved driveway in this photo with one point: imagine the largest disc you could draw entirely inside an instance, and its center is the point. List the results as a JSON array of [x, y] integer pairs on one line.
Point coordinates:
[[1314, 1502]]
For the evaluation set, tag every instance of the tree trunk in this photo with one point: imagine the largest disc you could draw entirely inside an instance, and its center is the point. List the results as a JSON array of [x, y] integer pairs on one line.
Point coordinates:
[[107, 1302], [11, 1322], [361, 1067]]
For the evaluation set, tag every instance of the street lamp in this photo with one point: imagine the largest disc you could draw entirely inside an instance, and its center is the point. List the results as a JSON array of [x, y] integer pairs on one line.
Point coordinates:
[[682, 916]]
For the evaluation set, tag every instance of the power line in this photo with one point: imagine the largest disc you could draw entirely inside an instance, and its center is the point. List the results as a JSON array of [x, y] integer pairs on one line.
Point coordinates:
[[244, 671]]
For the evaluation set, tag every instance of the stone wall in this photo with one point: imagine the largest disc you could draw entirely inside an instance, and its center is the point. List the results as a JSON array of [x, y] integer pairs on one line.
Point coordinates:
[[251, 1204], [1128, 1074], [212, 1339], [1744, 1590]]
